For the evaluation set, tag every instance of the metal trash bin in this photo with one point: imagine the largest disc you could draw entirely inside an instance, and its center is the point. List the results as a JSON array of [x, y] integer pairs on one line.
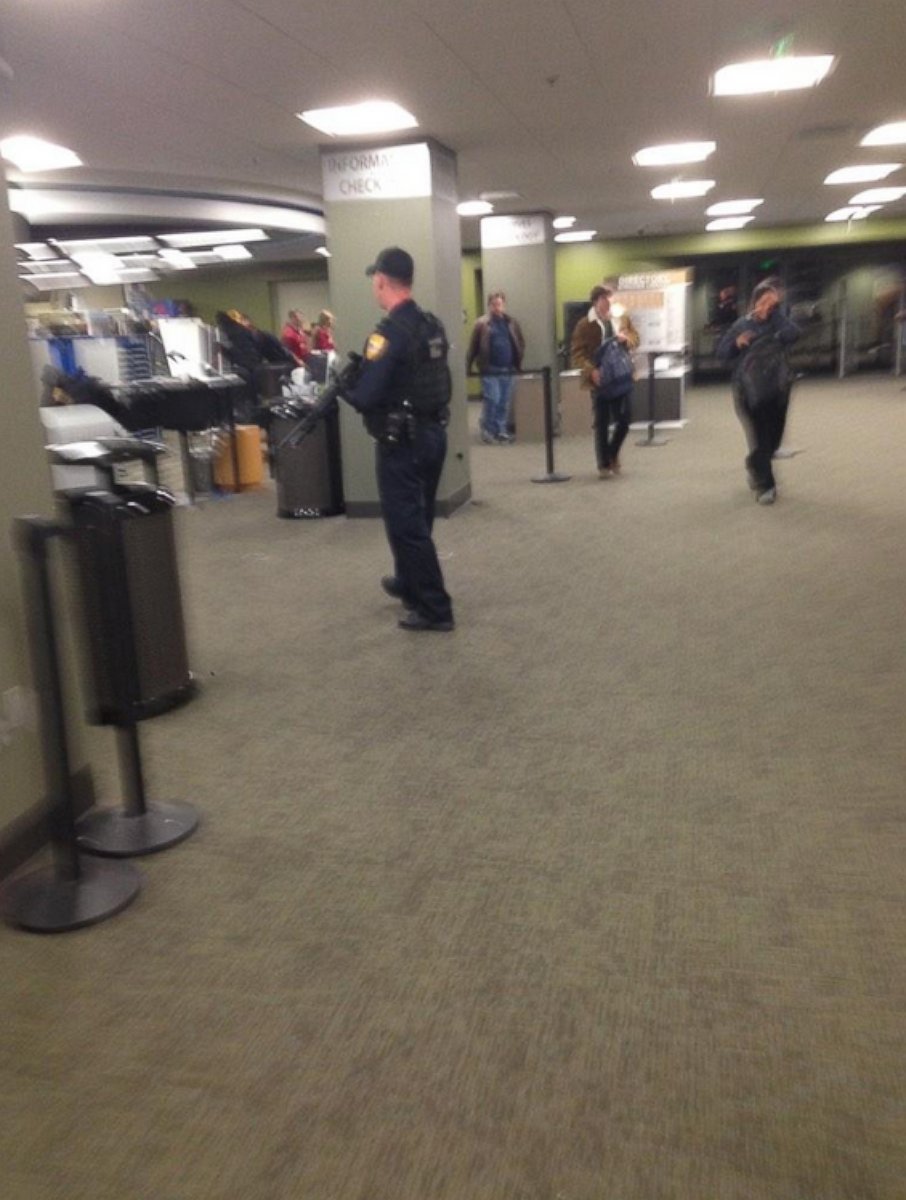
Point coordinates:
[[308, 475]]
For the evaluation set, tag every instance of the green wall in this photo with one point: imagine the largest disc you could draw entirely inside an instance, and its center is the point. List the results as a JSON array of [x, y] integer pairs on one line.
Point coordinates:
[[248, 289], [581, 265]]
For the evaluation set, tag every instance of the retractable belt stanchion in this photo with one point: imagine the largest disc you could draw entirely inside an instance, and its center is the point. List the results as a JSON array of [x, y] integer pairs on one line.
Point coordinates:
[[650, 439], [76, 891], [551, 476]]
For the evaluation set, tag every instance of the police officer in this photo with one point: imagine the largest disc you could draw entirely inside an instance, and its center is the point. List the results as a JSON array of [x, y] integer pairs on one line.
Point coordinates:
[[403, 394]]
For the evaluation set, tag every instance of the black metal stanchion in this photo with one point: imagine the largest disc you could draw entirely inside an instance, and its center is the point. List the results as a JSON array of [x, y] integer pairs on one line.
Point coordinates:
[[650, 439], [551, 476], [137, 828], [75, 891]]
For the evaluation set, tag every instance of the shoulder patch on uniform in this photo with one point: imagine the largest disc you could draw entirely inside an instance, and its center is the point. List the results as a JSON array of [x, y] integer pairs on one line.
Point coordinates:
[[376, 347]]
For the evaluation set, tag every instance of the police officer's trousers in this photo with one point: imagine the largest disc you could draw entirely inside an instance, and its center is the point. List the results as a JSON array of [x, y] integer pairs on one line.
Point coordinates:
[[407, 476]]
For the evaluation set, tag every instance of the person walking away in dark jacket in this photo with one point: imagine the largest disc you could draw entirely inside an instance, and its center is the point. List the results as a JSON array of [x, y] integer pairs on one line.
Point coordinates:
[[497, 345], [762, 416]]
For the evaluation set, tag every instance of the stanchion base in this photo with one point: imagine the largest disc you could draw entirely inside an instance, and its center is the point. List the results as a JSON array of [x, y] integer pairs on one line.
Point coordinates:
[[117, 834], [42, 902], [552, 477], [653, 441]]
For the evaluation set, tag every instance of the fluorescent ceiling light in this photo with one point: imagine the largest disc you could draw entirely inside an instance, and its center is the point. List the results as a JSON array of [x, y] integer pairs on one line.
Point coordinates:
[[232, 253], [672, 153], [50, 283], [852, 213], [323, 251], [575, 235], [731, 208], [37, 249], [474, 208], [682, 189], [885, 195], [177, 260], [206, 258], [214, 237], [893, 134], [564, 222], [782, 74], [863, 174], [137, 276], [727, 223], [99, 266], [349, 120], [504, 195], [34, 154], [111, 245]]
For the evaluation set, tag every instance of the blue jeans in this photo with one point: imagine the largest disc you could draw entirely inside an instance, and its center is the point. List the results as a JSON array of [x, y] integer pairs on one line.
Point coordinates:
[[495, 397]]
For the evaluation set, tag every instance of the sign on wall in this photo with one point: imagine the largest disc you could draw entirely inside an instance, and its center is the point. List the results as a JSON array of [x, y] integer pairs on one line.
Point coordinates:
[[377, 173], [656, 302], [499, 232]]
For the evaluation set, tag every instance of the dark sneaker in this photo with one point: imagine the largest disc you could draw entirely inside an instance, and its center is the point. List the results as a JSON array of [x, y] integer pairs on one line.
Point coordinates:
[[417, 623], [394, 588]]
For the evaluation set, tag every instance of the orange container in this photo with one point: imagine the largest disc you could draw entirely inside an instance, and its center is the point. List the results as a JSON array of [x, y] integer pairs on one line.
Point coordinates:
[[250, 456]]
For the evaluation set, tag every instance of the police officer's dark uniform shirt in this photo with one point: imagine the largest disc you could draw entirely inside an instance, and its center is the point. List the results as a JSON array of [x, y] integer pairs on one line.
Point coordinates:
[[408, 470]]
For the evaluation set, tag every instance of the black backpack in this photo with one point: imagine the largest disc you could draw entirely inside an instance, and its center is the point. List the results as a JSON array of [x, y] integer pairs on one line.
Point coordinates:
[[764, 372]]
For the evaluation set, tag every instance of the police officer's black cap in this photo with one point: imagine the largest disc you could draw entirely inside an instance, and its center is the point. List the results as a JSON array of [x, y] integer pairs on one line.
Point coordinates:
[[394, 262]]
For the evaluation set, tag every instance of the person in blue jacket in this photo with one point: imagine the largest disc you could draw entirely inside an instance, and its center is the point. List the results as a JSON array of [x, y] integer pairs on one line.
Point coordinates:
[[763, 422]]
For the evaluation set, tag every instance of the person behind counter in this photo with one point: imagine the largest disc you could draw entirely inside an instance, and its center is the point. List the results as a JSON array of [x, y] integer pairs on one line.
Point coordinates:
[[295, 338], [322, 336]]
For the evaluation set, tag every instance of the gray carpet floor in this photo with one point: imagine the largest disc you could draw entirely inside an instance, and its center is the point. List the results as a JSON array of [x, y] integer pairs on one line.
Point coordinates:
[[599, 897]]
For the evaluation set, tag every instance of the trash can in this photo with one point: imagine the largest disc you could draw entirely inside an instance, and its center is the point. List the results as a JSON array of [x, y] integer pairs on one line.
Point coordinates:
[[309, 475], [126, 552]]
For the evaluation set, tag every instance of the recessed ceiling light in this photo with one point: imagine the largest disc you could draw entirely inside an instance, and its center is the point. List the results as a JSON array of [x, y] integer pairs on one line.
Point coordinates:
[[350, 120], [232, 252], [892, 134], [885, 195], [672, 153], [34, 154], [727, 223], [576, 235], [563, 222], [782, 74], [863, 174], [214, 237], [682, 189], [474, 208], [852, 213], [731, 208]]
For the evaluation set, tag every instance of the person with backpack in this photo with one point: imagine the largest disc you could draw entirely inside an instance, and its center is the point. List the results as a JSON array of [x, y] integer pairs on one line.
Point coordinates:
[[403, 395], [756, 344], [601, 348]]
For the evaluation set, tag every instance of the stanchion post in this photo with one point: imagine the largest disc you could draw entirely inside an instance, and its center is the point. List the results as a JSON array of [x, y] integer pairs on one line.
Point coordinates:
[[651, 440], [551, 476], [74, 892]]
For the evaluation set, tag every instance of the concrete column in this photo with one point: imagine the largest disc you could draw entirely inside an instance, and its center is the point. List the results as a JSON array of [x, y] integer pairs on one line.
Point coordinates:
[[517, 257], [24, 489], [396, 195]]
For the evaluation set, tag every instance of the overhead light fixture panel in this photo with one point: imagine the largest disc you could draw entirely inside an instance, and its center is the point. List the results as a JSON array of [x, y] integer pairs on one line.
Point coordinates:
[[785, 73], [673, 153], [358, 120]]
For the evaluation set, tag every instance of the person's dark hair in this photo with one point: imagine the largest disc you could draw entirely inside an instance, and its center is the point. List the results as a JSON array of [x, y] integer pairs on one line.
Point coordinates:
[[598, 291], [761, 289]]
